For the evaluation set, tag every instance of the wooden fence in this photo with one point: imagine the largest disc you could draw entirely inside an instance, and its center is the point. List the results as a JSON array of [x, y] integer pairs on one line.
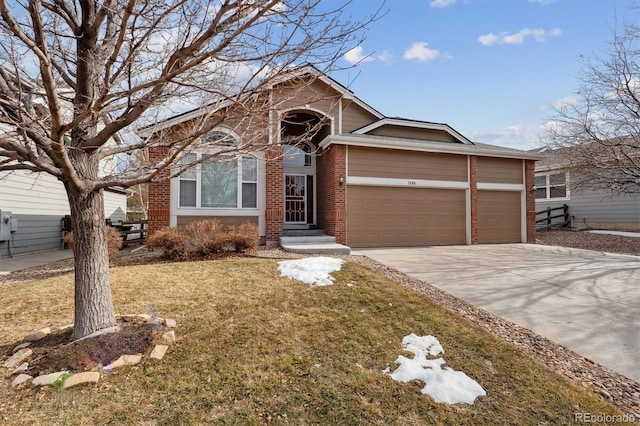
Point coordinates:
[[546, 219]]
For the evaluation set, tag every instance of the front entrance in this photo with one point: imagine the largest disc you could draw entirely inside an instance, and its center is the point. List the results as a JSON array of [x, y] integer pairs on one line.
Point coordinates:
[[298, 200]]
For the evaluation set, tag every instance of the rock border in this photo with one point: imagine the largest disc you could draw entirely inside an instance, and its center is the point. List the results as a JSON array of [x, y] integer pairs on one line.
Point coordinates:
[[17, 363]]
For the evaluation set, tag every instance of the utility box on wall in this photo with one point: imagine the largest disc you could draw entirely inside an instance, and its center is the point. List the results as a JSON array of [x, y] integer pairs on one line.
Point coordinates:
[[6, 225]]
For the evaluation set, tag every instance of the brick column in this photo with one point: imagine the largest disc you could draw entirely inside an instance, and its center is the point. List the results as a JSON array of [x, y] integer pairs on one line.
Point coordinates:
[[335, 194], [473, 189], [529, 181], [274, 214], [159, 195]]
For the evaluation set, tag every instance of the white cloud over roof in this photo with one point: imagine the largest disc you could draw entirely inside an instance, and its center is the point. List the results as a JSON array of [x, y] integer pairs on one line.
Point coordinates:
[[442, 3], [537, 34], [420, 52], [356, 56]]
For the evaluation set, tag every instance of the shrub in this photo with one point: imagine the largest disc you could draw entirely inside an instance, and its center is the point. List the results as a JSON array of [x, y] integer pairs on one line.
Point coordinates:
[[114, 241], [173, 242], [244, 237], [204, 238]]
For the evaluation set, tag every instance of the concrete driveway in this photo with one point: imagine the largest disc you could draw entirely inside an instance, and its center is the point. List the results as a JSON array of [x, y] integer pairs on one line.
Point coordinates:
[[586, 301]]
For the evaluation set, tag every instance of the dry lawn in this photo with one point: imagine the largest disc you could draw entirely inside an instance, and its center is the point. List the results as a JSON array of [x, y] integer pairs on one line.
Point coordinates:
[[255, 348]]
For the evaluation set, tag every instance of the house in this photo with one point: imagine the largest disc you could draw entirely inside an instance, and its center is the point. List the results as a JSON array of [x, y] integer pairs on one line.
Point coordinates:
[[588, 208], [367, 179], [33, 205]]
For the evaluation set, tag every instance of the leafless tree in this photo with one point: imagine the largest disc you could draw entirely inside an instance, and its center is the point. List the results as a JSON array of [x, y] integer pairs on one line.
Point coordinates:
[[76, 73], [597, 138]]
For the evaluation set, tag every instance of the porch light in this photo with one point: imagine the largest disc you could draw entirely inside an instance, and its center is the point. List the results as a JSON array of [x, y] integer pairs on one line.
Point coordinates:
[[341, 180], [533, 189]]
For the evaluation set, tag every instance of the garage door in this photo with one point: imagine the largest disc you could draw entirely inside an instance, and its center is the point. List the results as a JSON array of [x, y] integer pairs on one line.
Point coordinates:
[[388, 217], [499, 217]]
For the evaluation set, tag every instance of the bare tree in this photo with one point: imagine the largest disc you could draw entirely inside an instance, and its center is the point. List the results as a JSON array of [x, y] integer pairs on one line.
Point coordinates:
[[76, 73], [597, 138]]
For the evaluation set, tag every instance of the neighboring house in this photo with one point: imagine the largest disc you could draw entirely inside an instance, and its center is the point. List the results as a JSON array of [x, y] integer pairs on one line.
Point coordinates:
[[587, 208], [366, 179], [37, 203]]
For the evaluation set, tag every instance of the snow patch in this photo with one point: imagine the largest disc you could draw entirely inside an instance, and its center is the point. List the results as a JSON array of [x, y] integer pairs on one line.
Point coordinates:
[[311, 270], [620, 233], [442, 384]]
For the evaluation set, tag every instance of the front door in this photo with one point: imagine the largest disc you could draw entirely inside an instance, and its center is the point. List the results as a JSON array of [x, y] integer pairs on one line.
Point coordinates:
[[295, 199]]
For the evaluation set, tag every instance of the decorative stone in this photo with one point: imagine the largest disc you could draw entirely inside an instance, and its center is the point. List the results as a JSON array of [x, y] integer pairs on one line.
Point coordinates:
[[20, 379], [169, 322], [37, 335], [47, 379], [79, 378], [65, 327], [17, 358], [146, 317], [21, 369], [21, 346], [169, 337], [123, 361], [159, 351]]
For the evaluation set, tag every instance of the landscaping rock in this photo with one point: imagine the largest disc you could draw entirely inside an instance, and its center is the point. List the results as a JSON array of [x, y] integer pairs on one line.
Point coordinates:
[[169, 337], [124, 360], [17, 358], [79, 378], [47, 379], [169, 322], [21, 346], [159, 351], [37, 335], [146, 317], [21, 369], [20, 379], [107, 330]]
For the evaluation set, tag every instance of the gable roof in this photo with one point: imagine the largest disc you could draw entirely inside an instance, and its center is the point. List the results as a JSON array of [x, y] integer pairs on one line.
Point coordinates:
[[415, 124], [298, 72]]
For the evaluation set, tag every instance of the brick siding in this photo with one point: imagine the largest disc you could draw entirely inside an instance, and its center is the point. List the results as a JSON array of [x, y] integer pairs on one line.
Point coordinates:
[[274, 214], [159, 195], [529, 179], [332, 196]]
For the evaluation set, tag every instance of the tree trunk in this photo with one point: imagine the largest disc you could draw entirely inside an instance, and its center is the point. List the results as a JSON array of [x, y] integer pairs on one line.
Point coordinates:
[[93, 303]]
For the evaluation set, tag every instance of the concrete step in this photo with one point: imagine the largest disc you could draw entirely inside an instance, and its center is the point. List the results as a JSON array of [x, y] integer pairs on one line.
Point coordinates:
[[325, 248], [313, 244], [308, 239], [303, 232]]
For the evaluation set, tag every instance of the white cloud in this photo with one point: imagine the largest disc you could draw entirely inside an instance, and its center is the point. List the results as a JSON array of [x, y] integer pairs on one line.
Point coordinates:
[[537, 34], [385, 56], [566, 101], [442, 3], [419, 51], [356, 56], [543, 2], [517, 136]]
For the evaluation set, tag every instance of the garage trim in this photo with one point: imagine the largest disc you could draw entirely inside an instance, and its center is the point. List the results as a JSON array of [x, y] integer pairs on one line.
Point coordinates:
[[501, 186], [413, 183]]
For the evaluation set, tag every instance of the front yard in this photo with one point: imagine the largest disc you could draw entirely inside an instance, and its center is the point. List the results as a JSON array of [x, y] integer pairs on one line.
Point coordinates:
[[257, 348]]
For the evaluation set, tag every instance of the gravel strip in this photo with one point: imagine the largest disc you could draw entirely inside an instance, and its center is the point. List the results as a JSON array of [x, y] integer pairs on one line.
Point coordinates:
[[588, 241]]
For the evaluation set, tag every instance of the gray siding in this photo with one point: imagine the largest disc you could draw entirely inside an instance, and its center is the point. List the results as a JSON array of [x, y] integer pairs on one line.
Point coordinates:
[[35, 233], [599, 209]]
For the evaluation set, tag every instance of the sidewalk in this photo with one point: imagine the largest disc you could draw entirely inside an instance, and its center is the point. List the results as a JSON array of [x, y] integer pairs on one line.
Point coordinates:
[[16, 263]]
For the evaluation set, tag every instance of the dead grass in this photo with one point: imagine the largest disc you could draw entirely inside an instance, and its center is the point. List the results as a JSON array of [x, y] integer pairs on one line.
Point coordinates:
[[256, 348]]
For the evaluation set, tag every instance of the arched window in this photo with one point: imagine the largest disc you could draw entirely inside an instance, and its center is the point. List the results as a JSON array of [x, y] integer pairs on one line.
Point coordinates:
[[297, 155], [219, 138]]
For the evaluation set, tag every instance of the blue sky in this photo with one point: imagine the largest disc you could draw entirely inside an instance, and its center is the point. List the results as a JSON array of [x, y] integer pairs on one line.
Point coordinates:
[[489, 68]]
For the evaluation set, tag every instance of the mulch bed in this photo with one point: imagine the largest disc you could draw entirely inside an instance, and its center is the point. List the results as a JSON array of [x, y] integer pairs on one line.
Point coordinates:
[[59, 352]]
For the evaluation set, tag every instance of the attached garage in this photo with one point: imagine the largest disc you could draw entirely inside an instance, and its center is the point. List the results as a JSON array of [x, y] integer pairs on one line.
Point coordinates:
[[499, 217], [402, 217]]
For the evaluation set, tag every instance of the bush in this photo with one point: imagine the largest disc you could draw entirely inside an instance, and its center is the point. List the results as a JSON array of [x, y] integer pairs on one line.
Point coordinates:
[[114, 241], [206, 238], [244, 237], [203, 239], [171, 240]]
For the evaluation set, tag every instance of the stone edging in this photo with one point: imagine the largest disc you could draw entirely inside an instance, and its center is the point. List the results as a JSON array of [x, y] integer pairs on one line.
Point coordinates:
[[18, 362]]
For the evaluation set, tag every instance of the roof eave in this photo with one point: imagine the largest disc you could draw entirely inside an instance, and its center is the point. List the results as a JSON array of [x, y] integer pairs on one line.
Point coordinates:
[[425, 146]]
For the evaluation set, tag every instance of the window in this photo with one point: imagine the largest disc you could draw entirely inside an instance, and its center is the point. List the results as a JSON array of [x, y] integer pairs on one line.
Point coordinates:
[[226, 183], [297, 156], [552, 186]]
